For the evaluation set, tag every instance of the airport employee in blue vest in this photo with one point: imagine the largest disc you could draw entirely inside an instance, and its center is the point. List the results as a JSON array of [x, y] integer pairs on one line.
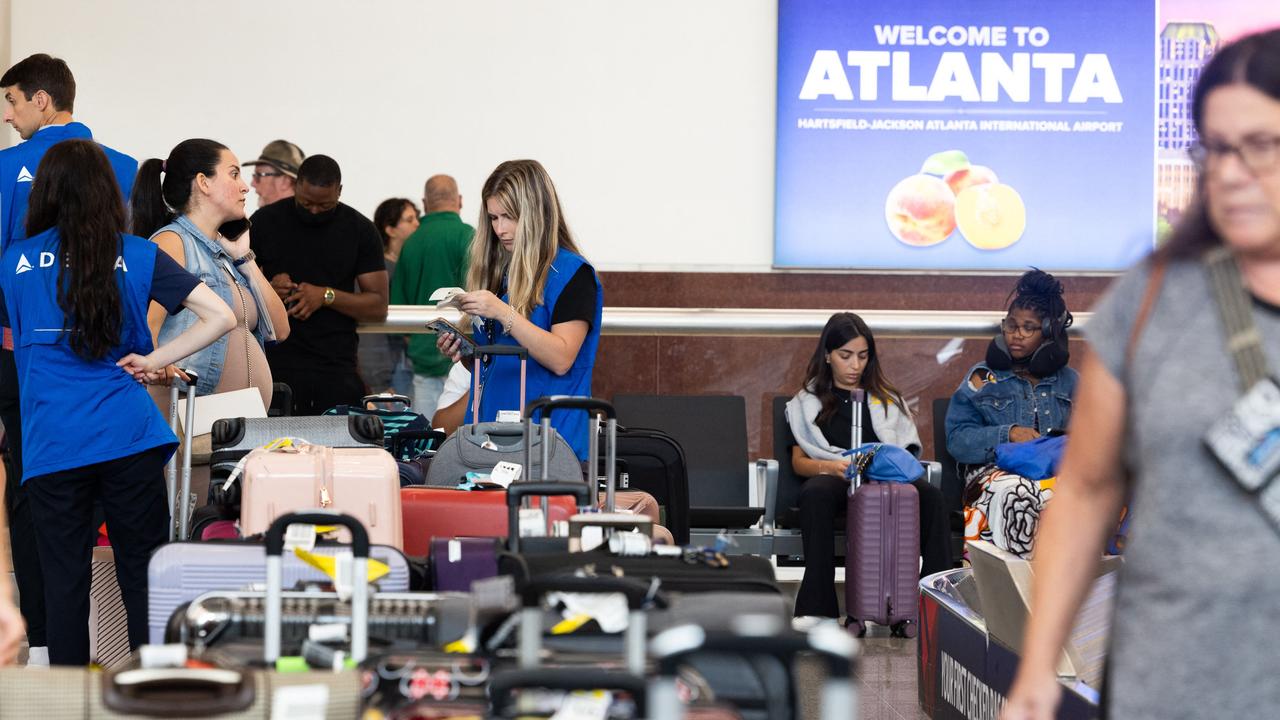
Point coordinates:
[[39, 93], [76, 294], [529, 285]]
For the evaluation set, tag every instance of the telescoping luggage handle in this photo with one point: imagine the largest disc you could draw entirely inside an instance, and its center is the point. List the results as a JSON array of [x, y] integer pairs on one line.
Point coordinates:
[[831, 643], [544, 406], [274, 541], [518, 491], [494, 350], [640, 597], [856, 398], [179, 517], [502, 685]]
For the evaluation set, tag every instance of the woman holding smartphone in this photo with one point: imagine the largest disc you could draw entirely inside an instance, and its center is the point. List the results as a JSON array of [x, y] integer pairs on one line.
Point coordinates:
[[529, 285], [82, 345], [208, 235]]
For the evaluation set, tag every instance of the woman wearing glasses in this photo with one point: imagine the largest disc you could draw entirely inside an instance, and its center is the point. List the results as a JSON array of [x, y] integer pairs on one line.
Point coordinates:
[[1194, 629], [529, 285], [1020, 392], [1024, 388]]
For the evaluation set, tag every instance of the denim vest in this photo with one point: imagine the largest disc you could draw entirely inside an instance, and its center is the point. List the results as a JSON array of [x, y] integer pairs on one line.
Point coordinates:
[[206, 260], [978, 420]]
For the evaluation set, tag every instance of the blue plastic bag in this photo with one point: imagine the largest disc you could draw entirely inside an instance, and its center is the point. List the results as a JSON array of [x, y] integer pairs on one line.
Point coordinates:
[[888, 463], [1034, 460]]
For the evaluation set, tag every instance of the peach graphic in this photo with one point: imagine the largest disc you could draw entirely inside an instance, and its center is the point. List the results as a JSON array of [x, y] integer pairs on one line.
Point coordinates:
[[991, 216], [920, 210], [968, 176]]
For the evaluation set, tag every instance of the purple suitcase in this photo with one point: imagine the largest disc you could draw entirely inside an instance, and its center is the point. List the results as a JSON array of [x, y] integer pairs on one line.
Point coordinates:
[[882, 559], [458, 562]]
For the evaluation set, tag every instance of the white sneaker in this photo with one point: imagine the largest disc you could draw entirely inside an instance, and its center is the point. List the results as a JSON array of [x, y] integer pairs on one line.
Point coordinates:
[[805, 623], [38, 657]]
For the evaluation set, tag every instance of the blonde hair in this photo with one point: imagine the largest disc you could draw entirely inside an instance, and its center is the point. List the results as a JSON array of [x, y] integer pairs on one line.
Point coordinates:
[[525, 192]]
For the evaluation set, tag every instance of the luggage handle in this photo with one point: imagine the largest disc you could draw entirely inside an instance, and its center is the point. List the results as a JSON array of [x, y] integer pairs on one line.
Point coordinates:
[[191, 692], [178, 502], [544, 406], [502, 685], [274, 601], [518, 491], [831, 643], [386, 399], [639, 594], [495, 350]]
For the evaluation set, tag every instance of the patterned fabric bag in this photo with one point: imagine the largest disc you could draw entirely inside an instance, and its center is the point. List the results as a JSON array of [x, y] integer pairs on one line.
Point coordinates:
[[1004, 509]]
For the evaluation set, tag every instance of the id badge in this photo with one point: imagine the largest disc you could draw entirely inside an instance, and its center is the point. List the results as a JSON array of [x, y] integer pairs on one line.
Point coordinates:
[[1246, 440]]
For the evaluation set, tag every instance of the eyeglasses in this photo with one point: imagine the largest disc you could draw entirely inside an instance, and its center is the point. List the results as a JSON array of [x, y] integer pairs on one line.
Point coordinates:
[[260, 175], [1259, 154], [1013, 327]]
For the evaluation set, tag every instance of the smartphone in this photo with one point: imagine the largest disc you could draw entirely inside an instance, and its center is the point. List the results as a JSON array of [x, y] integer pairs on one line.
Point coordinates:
[[442, 326], [233, 229]]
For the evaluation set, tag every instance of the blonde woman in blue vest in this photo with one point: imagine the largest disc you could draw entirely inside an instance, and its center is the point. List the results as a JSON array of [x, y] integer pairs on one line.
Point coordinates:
[[529, 285]]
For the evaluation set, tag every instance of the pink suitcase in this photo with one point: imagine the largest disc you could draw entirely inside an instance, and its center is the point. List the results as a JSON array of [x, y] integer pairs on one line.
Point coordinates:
[[361, 482], [882, 560]]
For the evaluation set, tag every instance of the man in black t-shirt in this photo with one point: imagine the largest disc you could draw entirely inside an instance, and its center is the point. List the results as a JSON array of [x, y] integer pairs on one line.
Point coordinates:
[[318, 252]]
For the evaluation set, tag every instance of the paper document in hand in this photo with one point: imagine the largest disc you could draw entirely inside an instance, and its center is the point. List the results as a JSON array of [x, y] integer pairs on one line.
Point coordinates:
[[446, 297]]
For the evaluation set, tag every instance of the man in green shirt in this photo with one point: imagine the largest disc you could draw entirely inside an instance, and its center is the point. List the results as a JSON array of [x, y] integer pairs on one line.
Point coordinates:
[[434, 256]]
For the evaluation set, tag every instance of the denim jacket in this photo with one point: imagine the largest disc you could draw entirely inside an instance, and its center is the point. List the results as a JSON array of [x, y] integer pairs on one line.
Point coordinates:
[[979, 420], [206, 259]]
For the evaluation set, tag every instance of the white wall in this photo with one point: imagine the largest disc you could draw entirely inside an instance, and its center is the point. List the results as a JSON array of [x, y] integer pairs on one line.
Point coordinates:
[[655, 117]]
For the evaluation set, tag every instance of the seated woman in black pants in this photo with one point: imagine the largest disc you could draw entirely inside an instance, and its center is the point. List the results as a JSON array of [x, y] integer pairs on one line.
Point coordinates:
[[821, 420]]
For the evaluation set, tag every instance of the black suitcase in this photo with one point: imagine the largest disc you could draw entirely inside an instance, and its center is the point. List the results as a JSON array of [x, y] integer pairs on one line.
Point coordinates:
[[654, 462]]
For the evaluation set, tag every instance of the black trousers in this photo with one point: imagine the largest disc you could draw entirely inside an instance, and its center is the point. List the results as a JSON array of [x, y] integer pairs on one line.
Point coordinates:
[[824, 508], [133, 496], [22, 536], [315, 391]]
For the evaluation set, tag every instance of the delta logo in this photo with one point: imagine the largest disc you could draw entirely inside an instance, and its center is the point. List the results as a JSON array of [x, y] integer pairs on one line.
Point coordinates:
[[24, 175], [47, 260]]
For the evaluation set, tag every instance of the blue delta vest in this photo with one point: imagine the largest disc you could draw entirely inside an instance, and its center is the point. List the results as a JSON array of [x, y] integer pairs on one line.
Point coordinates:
[[18, 166], [500, 378], [78, 412]]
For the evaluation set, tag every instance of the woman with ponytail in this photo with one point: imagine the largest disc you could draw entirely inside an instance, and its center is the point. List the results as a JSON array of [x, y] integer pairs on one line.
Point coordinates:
[[192, 206], [76, 295]]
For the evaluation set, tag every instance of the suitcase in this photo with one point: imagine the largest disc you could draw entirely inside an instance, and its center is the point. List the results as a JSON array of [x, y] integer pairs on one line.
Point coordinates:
[[882, 556], [180, 572], [445, 513], [761, 646], [480, 446], [655, 463], [362, 482], [405, 434], [233, 438]]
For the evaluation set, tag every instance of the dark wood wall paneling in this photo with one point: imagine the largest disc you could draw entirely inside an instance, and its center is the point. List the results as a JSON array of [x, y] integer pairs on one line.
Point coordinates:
[[760, 368]]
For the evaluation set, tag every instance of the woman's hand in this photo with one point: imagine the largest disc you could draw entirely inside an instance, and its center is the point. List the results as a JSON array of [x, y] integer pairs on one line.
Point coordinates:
[[12, 630], [1033, 697], [1020, 434], [235, 248], [836, 468], [482, 303], [144, 369], [450, 346]]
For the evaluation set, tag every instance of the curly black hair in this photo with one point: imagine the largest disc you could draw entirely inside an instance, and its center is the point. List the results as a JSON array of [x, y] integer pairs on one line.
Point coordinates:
[[1041, 293]]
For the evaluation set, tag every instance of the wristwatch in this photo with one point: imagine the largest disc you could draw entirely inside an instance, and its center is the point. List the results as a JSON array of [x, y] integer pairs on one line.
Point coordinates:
[[328, 296], [243, 259]]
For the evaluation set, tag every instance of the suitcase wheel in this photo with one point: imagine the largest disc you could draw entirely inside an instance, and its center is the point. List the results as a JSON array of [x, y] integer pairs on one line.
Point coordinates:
[[857, 627], [904, 629]]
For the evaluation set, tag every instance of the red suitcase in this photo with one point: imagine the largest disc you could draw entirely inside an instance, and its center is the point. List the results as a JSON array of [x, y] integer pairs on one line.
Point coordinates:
[[447, 513]]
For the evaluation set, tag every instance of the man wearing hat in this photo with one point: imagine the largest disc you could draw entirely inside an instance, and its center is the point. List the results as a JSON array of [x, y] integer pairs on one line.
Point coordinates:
[[275, 171]]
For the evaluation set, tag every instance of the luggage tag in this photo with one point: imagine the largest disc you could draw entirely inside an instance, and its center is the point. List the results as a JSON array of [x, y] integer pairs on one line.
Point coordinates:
[[1246, 440], [505, 473], [300, 536], [532, 523], [585, 705], [509, 416]]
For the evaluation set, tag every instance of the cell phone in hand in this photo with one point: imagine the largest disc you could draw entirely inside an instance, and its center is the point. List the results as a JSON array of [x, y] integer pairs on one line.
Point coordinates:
[[442, 326], [233, 229]]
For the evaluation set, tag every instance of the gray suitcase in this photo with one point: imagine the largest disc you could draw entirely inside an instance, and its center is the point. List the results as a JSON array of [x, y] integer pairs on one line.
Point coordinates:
[[180, 572]]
